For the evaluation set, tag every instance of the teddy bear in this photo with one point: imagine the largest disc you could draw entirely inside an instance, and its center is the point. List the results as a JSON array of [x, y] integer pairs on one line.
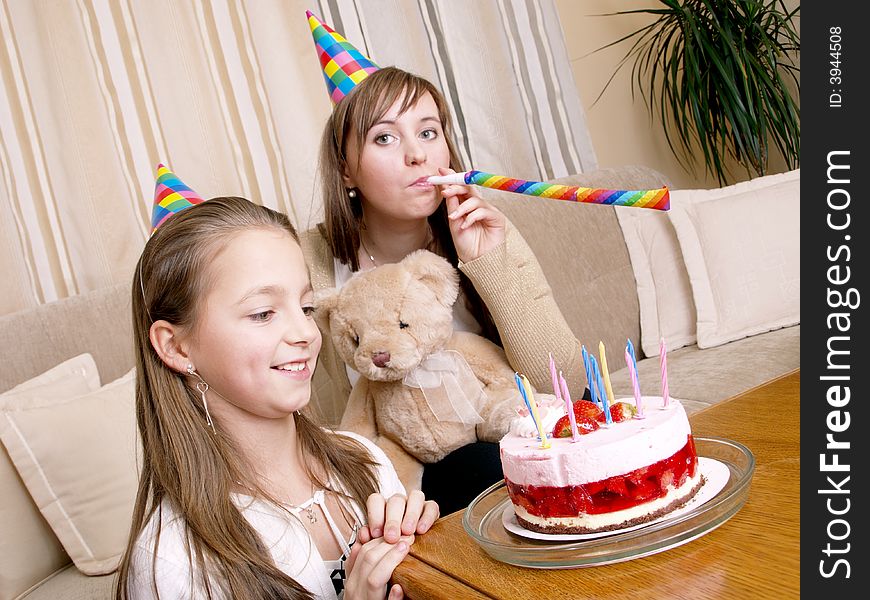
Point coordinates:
[[424, 389]]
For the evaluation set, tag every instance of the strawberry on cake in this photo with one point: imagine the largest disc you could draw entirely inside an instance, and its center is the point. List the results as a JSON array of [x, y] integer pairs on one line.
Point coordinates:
[[613, 476]]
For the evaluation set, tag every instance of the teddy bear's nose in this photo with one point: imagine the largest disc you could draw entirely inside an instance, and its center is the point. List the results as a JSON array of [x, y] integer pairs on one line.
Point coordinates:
[[380, 359]]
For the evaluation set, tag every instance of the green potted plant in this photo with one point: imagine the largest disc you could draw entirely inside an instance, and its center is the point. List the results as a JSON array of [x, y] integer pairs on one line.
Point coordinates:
[[723, 76]]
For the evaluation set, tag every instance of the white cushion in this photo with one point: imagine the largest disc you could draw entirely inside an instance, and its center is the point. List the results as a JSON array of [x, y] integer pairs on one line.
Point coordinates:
[[664, 293], [78, 459], [741, 246], [29, 550]]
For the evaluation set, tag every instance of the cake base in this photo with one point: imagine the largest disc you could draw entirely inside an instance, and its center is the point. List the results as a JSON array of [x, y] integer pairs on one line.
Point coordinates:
[[606, 521]]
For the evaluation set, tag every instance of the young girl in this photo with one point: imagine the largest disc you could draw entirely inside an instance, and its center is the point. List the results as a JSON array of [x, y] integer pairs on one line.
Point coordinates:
[[242, 495], [384, 138]]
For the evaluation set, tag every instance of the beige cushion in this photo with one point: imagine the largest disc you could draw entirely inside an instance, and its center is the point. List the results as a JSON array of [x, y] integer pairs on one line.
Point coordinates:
[[78, 459], [741, 245], [29, 551], [664, 293]]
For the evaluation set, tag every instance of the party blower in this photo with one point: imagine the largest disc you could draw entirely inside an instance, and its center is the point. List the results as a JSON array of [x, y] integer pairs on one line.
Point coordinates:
[[658, 199]]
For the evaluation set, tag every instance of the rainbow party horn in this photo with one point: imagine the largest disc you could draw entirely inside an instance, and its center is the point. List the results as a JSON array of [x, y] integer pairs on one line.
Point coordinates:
[[658, 199]]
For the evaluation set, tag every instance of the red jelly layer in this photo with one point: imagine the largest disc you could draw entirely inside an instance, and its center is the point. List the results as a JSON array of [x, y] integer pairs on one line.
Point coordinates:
[[611, 494]]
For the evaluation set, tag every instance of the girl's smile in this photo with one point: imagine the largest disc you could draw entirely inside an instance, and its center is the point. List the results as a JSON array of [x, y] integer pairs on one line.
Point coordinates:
[[256, 343]]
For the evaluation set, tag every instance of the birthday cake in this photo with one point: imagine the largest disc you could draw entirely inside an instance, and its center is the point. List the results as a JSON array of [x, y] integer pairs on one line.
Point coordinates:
[[615, 475]]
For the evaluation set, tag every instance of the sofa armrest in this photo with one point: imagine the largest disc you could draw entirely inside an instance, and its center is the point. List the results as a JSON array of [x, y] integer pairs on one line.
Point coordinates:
[[98, 322]]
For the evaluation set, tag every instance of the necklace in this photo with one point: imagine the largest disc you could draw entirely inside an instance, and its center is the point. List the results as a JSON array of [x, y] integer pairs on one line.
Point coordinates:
[[312, 518], [366, 250], [317, 497], [430, 238]]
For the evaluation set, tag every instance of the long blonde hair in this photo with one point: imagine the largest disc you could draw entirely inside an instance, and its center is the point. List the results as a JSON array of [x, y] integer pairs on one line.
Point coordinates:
[[184, 462], [357, 112]]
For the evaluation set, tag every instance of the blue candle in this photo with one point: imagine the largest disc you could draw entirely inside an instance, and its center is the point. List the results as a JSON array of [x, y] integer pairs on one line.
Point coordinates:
[[532, 413], [593, 383], [588, 371], [630, 348], [602, 392], [523, 394]]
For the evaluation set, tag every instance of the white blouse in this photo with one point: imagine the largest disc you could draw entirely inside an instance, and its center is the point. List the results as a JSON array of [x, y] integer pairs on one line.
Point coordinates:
[[290, 544]]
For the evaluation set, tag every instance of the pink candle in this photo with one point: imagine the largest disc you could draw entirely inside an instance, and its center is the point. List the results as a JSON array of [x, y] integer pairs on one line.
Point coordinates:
[[570, 406], [663, 357], [635, 384], [554, 377]]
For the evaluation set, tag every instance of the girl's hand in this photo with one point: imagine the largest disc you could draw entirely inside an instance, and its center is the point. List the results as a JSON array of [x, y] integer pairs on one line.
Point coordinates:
[[476, 225], [398, 516], [370, 567]]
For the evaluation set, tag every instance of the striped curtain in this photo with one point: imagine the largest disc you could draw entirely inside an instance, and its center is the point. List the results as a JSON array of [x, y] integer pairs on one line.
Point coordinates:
[[229, 94]]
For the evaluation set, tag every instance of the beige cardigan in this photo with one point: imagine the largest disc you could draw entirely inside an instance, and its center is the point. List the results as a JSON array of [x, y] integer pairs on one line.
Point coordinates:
[[510, 282]]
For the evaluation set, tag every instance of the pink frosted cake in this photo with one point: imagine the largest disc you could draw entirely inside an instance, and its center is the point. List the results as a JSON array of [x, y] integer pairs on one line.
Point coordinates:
[[612, 477]]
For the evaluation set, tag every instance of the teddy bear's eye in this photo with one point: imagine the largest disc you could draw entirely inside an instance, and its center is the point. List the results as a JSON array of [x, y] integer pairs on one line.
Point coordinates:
[[402, 325], [356, 340]]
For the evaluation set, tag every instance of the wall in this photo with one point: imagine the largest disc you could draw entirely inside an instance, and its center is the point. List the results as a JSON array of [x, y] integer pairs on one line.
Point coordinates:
[[620, 126]]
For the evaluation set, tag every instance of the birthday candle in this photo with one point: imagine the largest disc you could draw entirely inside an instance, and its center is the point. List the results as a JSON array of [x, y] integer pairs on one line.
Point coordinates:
[[602, 395], [658, 199], [523, 394], [630, 348], [554, 378], [530, 400], [571, 417], [663, 358], [605, 373], [636, 385], [593, 381], [589, 383]]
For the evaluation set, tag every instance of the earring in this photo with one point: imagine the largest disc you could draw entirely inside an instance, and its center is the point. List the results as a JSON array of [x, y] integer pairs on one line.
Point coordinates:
[[202, 388], [351, 193]]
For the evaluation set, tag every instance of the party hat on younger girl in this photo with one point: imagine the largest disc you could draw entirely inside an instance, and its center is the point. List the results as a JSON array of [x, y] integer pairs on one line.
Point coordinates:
[[343, 65], [171, 196]]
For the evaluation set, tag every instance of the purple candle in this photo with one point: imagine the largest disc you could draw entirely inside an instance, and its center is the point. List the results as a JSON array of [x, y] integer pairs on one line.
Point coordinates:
[[635, 385], [570, 406]]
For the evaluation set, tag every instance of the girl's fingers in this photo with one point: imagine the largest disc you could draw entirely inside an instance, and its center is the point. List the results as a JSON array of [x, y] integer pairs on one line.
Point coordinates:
[[396, 592], [394, 514], [382, 569], [413, 511], [363, 535], [476, 216], [452, 205], [454, 190], [373, 568], [431, 512], [463, 208], [354, 554], [375, 505]]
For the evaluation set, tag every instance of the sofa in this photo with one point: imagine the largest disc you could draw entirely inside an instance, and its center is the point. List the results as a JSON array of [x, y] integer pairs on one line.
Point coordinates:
[[598, 279]]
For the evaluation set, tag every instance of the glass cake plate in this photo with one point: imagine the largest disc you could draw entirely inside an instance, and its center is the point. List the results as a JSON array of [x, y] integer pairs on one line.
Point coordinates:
[[483, 521]]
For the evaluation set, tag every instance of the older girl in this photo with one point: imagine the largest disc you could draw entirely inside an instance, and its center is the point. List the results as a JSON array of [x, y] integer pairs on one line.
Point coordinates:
[[382, 141]]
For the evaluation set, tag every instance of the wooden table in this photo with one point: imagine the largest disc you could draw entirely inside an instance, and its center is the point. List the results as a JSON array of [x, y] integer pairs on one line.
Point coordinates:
[[755, 554]]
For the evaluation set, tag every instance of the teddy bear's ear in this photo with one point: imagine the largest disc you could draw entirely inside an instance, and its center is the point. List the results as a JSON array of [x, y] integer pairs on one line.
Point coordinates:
[[324, 301], [436, 273]]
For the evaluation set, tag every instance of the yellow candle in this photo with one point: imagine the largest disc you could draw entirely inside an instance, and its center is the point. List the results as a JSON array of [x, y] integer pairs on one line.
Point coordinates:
[[605, 374], [545, 443]]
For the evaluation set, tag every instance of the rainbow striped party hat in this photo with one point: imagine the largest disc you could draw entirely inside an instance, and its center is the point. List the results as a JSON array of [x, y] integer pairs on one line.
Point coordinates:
[[171, 196], [343, 65]]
